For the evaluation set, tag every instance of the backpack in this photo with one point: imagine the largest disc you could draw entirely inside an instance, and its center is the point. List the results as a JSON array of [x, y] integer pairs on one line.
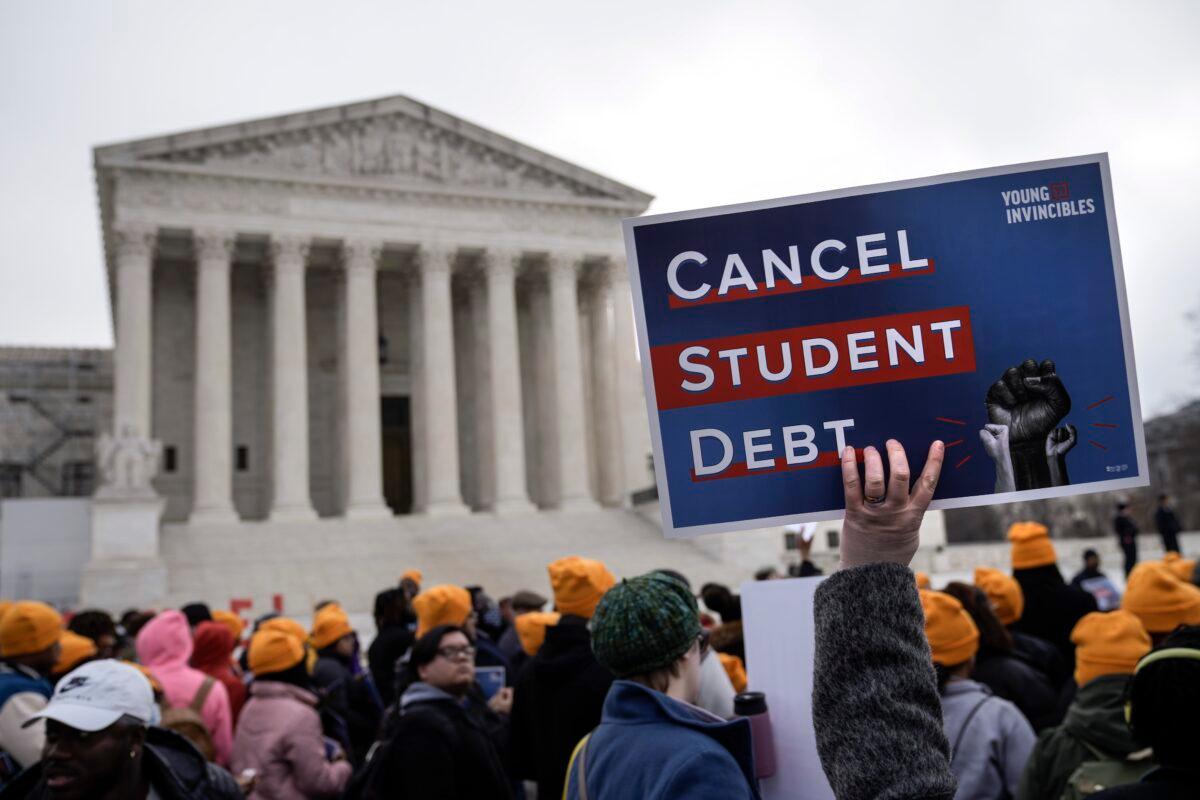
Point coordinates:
[[188, 722], [1104, 772], [364, 784]]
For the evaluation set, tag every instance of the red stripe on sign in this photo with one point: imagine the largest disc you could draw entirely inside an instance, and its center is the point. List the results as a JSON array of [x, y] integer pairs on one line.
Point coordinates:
[[809, 283], [1100, 402], [740, 470], [1094, 443], [951, 421], [1102, 425], [919, 344], [954, 443]]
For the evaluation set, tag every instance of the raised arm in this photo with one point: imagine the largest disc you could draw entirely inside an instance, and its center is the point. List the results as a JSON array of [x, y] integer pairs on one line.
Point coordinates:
[[876, 710]]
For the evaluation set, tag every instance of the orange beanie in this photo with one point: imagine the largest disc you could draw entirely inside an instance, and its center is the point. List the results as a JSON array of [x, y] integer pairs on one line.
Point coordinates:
[[75, 650], [1004, 592], [1031, 545], [285, 625], [231, 621], [578, 584], [1182, 568], [951, 632], [329, 625], [5, 605], [531, 629], [1159, 599], [441, 605], [923, 581], [274, 650], [29, 627], [414, 575], [1108, 643]]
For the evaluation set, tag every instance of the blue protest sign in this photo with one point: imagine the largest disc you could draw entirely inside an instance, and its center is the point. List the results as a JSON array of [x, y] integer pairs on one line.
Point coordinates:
[[986, 309]]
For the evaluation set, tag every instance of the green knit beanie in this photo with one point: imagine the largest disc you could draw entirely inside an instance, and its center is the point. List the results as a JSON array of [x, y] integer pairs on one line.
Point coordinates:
[[643, 624]]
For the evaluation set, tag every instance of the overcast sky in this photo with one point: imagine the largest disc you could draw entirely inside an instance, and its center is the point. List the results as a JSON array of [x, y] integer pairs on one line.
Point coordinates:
[[699, 103]]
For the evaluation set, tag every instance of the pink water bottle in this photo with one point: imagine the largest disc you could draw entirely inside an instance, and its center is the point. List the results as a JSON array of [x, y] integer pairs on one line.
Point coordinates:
[[753, 706]]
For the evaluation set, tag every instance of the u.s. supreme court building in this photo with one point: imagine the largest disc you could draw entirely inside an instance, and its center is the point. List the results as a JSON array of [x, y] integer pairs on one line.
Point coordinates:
[[360, 339]]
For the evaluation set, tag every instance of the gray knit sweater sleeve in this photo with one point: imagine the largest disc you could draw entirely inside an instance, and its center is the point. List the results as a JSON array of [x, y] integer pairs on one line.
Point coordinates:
[[876, 710]]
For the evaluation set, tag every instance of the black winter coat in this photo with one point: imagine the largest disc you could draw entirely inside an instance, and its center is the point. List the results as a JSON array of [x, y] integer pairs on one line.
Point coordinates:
[[556, 702], [175, 768], [1051, 607], [386, 649], [352, 701], [1022, 685], [1042, 656], [438, 751]]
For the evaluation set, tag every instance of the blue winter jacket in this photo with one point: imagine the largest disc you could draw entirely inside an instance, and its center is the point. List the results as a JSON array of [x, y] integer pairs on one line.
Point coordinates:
[[651, 746]]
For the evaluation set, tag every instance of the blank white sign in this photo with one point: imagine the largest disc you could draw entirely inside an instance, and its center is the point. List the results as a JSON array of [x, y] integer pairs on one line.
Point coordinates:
[[777, 619]]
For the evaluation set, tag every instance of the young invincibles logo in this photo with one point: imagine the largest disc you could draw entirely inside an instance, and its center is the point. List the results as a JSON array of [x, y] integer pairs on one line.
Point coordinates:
[[1036, 203]]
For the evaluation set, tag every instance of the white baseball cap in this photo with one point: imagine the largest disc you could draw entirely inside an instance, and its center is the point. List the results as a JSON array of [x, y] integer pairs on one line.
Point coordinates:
[[98, 694]]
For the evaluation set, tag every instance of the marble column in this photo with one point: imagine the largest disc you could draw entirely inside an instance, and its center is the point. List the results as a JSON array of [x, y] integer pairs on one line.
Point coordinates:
[[443, 490], [134, 327], [500, 267], [631, 396], [364, 441], [605, 406], [289, 392], [212, 498], [568, 383]]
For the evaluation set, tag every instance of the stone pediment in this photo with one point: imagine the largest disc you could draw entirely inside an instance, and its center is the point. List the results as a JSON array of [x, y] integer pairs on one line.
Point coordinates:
[[391, 140]]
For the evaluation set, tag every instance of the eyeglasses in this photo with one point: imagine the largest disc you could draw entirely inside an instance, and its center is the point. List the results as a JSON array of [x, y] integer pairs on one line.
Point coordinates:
[[451, 653]]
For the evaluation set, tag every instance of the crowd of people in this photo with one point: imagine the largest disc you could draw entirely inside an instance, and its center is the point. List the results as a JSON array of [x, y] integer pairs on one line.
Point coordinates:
[[1015, 684]]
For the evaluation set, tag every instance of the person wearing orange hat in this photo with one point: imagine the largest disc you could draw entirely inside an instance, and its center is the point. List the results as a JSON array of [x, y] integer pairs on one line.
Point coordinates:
[[410, 582], [1008, 603], [1160, 600], [1051, 606], [279, 731], [559, 693], [29, 649], [74, 650], [1108, 647], [531, 629], [989, 737], [1000, 668], [339, 676]]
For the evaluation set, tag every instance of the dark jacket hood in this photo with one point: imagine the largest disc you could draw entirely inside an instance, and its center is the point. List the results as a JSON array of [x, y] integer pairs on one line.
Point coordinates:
[[1098, 716], [631, 703]]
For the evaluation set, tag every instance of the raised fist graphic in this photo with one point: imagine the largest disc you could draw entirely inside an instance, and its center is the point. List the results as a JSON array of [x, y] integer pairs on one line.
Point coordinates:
[[1031, 400]]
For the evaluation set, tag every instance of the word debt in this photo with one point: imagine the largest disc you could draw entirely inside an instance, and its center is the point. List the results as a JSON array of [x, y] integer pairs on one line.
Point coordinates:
[[766, 450], [693, 281], [899, 347]]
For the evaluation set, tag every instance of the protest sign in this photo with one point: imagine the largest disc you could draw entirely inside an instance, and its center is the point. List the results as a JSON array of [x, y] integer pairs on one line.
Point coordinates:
[[986, 309], [780, 632]]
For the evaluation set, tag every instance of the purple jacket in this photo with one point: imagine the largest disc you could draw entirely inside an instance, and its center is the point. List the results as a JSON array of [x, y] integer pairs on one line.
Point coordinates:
[[279, 736]]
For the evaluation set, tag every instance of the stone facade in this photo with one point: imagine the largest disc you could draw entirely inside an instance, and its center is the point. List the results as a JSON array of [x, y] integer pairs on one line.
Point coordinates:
[[368, 310]]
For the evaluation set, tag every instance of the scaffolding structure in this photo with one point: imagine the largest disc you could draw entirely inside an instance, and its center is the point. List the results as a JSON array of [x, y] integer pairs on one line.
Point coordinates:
[[54, 402]]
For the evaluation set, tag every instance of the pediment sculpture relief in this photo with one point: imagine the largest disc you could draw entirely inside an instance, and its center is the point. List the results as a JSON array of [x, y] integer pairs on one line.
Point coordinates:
[[393, 146]]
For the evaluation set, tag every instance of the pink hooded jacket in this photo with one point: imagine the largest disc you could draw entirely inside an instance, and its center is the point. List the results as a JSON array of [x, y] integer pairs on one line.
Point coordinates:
[[279, 736], [164, 646]]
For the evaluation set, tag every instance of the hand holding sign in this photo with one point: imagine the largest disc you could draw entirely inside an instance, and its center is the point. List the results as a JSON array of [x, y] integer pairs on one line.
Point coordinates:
[[884, 523]]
